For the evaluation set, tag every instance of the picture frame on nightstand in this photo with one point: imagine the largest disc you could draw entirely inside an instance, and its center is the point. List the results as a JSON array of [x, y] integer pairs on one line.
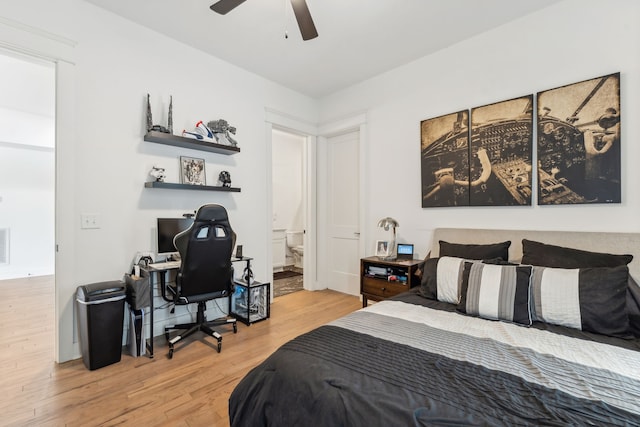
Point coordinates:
[[382, 248]]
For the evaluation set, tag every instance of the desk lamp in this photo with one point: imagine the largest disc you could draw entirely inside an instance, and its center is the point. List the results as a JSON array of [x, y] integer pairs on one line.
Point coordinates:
[[386, 224]]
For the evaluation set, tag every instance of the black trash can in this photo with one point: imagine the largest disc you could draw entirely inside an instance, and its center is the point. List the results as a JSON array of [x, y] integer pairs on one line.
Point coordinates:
[[100, 321]]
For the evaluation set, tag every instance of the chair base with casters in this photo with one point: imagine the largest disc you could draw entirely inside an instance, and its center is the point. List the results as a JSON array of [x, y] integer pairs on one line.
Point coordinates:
[[201, 324]]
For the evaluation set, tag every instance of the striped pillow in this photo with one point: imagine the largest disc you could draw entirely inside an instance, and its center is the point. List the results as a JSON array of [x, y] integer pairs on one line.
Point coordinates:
[[497, 292], [441, 279], [589, 299]]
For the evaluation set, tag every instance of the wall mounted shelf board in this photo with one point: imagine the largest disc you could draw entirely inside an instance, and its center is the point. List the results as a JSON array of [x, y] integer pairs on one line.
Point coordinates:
[[193, 144], [175, 186]]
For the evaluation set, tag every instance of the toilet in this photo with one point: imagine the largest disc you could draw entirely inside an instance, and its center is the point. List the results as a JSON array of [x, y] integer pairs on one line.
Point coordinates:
[[295, 243]]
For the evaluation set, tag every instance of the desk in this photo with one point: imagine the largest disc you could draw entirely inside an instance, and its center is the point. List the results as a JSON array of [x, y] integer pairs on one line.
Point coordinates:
[[161, 270]]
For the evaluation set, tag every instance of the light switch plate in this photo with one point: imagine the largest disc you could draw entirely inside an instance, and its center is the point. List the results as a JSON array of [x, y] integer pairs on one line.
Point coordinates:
[[90, 221]]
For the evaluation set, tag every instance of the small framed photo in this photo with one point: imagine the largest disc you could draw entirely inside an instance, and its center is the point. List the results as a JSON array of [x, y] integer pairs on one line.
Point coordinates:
[[192, 171], [382, 248]]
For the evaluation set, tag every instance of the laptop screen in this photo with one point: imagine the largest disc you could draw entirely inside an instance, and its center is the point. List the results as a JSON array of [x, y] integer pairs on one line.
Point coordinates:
[[405, 250]]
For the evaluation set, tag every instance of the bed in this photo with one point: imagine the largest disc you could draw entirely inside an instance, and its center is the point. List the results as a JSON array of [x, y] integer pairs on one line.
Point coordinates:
[[484, 340]]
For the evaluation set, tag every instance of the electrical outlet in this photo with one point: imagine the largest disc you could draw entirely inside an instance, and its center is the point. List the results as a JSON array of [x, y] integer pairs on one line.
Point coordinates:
[[90, 221]]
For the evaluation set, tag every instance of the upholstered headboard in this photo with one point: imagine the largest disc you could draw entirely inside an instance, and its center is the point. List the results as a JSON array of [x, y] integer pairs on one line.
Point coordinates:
[[614, 243]]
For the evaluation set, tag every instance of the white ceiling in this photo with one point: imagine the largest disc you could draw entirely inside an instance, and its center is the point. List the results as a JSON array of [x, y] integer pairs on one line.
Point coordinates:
[[358, 39]]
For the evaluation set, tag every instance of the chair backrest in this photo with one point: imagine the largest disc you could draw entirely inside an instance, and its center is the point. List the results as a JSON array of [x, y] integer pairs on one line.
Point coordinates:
[[205, 249]]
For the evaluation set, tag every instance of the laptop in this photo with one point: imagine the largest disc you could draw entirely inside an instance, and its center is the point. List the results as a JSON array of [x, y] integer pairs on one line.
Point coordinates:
[[405, 251]]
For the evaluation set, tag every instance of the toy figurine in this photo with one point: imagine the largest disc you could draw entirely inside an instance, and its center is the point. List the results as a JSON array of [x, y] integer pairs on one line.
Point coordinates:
[[221, 130], [158, 173], [224, 179], [160, 128]]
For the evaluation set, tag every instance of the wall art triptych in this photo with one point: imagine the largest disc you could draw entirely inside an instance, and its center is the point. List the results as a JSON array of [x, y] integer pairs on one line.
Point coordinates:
[[486, 158]]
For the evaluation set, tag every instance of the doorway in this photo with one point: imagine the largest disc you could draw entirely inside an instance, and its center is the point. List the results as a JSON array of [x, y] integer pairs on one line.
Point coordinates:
[[27, 206], [27, 167], [288, 211]]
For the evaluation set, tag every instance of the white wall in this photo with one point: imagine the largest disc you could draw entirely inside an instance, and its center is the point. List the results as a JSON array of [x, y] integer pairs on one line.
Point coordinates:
[[569, 42], [116, 64], [27, 210], [288, 212]]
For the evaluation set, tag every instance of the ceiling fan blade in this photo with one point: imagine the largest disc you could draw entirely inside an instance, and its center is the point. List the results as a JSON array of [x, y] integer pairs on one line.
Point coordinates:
[[305, 22], [225, 6]]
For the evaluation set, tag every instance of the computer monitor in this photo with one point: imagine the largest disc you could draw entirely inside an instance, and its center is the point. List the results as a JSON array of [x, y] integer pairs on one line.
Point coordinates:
[[167, 230]]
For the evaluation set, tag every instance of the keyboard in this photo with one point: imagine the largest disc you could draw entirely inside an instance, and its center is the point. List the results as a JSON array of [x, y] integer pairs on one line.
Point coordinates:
[[167, 265]]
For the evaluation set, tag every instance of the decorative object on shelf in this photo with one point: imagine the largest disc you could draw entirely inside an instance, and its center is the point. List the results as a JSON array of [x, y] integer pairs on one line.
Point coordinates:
[[192, 171], [224, 179], [158, 173], [201, 132], [170, 118], [221, 130], [388, 224], [160, 128]]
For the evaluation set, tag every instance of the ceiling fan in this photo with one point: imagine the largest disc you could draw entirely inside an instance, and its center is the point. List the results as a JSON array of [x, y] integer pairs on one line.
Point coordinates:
[[300, 9]]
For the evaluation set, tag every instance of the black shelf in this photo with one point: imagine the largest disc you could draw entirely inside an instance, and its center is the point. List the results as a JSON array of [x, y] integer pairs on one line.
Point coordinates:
[[193, 144], [174, 186]]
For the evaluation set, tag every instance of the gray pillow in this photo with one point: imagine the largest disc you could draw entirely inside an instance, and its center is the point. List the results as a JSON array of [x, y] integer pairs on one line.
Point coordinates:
[[589, 299]]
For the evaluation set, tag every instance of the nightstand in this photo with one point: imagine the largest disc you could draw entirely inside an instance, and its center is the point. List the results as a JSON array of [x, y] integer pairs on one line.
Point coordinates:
[[381, 279]]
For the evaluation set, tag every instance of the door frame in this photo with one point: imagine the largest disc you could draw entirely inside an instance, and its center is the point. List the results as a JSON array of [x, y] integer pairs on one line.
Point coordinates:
[[287, 123], [31, 41]]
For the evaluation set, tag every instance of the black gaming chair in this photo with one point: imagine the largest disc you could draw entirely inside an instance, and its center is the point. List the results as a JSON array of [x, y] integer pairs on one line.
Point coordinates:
[[205, 272]]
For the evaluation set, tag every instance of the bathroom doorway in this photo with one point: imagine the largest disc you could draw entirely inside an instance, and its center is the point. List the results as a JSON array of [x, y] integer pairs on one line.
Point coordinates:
[[288, 211]]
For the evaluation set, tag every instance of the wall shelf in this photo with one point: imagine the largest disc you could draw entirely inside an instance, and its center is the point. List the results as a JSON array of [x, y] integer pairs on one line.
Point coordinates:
[[193, 144], [175, 186]]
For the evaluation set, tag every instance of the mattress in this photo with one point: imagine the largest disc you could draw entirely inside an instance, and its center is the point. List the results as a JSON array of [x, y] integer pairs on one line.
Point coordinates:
[[414, 361]]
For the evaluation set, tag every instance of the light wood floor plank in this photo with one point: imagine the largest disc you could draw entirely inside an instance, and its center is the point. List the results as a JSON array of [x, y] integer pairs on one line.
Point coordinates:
[[192, 389]]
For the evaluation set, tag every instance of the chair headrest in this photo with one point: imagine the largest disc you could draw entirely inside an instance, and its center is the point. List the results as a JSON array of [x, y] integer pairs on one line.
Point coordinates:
[[211, 213]]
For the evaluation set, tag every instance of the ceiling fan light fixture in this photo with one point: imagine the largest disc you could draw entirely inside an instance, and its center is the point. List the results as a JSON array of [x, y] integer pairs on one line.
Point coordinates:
[[225, 6], [300, 10], [305, 22]]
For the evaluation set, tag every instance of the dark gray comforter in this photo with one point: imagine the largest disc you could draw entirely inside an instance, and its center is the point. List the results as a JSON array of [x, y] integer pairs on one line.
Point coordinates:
[[396, 363]]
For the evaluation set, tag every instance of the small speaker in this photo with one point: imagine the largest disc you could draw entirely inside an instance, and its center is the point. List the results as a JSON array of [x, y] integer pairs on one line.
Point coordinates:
[[239, 251]]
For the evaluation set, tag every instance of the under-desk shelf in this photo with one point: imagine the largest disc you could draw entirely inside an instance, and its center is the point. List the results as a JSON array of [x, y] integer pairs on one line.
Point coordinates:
[[175, 186], [193, 144]]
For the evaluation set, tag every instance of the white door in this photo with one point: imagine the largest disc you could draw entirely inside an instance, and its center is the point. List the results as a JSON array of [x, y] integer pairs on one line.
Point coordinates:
[[343, 213]]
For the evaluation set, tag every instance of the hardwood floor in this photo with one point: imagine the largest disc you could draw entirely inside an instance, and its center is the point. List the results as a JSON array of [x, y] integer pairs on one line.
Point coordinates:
[[192, 389]]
